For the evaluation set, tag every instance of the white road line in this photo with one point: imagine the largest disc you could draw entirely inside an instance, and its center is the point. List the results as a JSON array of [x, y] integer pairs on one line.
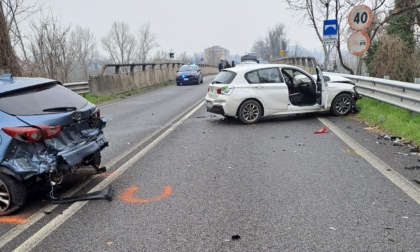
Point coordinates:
[[39, 236], [405, 185]]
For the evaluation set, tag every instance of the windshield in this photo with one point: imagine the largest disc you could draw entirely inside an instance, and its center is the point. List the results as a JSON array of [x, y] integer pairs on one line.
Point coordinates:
[[188, 68]]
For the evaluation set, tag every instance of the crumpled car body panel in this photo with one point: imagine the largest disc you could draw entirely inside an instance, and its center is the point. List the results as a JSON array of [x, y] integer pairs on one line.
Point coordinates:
[[79, 139]]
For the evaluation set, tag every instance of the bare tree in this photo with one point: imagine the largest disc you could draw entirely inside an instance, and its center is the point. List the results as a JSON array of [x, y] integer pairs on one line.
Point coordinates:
[[83, 45], [161, 56], [120, 44], [274, 41], [261, 49], [51, 53], [297, 51], [183, 57], [8, 59], [315, 11], [147, 41], [17, 12]]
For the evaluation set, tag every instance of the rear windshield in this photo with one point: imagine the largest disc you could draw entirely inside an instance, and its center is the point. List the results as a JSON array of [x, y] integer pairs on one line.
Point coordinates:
[[224, 77], [40, 100]]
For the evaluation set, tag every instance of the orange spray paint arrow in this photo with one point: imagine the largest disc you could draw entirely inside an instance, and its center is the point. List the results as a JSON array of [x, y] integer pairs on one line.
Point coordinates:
[[127, 195]]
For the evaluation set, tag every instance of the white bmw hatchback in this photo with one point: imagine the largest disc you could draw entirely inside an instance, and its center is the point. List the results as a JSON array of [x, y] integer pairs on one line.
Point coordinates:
[[255, 90]]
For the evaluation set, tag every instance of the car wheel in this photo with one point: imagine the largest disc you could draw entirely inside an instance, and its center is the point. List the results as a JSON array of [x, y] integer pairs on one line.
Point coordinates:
[[342, 105], [250, 112], [12, 195], [202, 81], [177, 83]]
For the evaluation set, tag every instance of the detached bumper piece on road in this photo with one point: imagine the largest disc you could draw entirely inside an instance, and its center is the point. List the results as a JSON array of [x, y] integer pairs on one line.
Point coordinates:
[[106, 193]]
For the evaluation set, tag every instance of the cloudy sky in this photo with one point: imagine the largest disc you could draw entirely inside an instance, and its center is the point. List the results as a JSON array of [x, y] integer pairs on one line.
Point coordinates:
[[190, 25]]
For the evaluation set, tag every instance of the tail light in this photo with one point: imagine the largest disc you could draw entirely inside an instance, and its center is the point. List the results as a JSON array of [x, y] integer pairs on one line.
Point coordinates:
[[226, 90], [33, 134]]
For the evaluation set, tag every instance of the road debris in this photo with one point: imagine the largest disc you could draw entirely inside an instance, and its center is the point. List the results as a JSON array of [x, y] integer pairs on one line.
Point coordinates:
[[102, 194], [413, 167], [235, 237], [321, 131], [402, 153]]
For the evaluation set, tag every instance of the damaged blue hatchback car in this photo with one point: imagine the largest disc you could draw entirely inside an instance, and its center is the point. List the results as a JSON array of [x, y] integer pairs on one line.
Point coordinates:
[[46, 132]]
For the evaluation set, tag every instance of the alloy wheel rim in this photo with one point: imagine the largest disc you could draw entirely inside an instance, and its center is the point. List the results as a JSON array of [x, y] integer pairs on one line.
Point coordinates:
[[251, 112], [4, 196], [343, 105]]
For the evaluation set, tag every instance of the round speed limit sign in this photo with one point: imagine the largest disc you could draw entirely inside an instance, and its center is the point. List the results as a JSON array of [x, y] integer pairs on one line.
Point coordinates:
[[360, 17]]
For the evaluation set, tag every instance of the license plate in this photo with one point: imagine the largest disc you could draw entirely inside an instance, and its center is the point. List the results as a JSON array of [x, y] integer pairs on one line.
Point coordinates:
[[209, 104], [185, 78]]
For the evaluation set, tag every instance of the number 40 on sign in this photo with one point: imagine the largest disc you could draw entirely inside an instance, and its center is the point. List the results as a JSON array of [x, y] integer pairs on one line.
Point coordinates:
[[360, 17]]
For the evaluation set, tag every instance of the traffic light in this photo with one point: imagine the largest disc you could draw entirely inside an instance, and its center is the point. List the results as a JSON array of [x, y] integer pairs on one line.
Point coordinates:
[[171, 55]]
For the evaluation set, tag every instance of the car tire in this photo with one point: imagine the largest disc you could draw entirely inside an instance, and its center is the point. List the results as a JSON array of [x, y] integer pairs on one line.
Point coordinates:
[[12, 195], [342, 105], [177, 84], [250, 112], [202, 81]]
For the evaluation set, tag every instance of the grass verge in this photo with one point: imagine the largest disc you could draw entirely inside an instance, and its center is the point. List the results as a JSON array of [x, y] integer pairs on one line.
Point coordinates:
[[106, 98], [390, 119]]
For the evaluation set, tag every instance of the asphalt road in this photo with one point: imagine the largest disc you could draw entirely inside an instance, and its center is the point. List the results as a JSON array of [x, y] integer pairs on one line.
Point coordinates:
[[198, 182]]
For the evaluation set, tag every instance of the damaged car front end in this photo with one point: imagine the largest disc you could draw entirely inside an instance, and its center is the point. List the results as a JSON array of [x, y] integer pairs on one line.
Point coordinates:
[[46, 133]]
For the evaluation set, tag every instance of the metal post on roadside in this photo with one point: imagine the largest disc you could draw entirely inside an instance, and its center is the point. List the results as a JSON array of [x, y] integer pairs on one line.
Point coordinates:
[[416, 80]]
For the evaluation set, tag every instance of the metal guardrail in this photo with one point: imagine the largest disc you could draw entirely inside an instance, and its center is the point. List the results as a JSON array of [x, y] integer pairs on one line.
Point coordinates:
[[78, 87], [147, 66], [401, 94]]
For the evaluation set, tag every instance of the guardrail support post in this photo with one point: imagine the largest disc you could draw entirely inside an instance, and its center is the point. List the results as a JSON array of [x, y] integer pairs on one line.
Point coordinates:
[[132, 68], [117, 69], [417, 80]]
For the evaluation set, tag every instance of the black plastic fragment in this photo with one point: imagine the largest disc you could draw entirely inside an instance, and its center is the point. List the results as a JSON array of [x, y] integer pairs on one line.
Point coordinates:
[[414, 167], [235, 237], [102, 194]]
